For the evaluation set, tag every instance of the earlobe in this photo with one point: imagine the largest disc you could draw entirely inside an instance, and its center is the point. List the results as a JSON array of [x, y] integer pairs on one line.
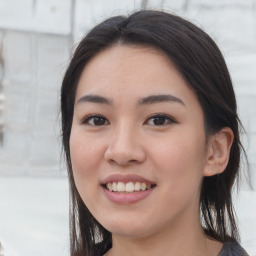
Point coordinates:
[[218, 152]]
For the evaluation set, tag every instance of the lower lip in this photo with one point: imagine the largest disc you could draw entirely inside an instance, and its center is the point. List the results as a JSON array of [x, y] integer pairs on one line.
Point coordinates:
[[127, 198]]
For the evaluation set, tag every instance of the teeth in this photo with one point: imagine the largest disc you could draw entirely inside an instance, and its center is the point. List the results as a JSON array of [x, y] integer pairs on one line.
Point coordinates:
[[127, 187], [120, 187], [143, 186], [137, 186], [109, 186], [114, 186]]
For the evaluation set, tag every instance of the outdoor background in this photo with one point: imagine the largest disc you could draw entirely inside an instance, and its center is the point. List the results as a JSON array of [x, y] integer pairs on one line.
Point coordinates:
[[37, 38]]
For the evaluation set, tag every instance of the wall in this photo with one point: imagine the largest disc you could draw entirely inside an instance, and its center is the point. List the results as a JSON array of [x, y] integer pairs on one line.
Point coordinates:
[[36, 49], [38, 40]]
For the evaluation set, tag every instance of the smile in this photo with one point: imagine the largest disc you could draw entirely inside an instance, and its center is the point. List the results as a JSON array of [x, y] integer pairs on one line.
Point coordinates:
[[129, 187]]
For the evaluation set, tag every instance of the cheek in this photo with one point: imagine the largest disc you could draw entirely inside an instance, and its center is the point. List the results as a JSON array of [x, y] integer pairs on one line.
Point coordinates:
[[86, 153], [180, 159], [179, 167]]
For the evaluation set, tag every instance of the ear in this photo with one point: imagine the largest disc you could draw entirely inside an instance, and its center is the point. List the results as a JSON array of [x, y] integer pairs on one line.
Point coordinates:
[[218, 151]]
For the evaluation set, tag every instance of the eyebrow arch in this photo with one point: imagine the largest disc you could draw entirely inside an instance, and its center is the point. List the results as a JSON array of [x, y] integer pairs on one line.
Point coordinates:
[[160, 98], [95, 99]]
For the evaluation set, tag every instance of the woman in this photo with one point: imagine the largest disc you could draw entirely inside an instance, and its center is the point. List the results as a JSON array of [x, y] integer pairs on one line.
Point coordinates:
[[150, 133]]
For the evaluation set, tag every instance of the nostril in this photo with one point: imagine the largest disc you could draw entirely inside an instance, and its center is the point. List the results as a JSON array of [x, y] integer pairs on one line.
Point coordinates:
[[124, 152]]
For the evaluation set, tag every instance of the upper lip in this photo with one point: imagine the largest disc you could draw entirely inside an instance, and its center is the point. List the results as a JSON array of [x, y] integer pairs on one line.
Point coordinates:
[[126, 178]]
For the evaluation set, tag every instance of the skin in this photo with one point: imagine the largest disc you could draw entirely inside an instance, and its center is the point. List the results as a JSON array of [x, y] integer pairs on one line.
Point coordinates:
[[175, 155]]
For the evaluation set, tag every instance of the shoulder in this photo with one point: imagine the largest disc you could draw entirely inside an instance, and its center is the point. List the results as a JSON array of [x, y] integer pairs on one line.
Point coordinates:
[[232, 249]]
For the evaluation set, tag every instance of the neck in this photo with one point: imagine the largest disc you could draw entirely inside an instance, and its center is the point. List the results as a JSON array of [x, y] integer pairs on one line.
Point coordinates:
[[179, 239]]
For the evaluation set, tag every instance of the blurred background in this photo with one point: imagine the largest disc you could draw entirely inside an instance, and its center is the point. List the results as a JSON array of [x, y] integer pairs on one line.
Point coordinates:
[[37, 38]]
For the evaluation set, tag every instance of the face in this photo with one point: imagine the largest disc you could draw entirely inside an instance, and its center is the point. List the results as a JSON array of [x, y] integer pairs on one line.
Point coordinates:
[[137, 144]]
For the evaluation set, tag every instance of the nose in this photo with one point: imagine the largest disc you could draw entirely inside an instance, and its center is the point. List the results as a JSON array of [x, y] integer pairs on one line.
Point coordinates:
[[125, 147]]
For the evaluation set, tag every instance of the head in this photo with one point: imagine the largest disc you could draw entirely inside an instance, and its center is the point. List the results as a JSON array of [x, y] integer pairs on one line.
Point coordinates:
[[199, 72]]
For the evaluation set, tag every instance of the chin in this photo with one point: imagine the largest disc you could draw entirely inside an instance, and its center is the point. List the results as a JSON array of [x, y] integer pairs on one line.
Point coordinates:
[[131, 234], [128, 229]]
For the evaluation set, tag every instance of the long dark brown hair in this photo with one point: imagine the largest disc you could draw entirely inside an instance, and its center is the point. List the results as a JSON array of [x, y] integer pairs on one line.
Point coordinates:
[[201, 64]]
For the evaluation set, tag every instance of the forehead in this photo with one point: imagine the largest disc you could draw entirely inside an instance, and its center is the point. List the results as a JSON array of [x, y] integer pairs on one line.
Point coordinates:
[[133, 71]]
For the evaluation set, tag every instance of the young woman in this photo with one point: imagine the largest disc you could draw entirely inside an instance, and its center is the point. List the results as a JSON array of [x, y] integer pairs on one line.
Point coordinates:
[[150, 133]]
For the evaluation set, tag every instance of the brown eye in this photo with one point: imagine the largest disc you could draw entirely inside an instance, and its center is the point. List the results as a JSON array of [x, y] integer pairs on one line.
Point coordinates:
[[160, 120], [95, 120]]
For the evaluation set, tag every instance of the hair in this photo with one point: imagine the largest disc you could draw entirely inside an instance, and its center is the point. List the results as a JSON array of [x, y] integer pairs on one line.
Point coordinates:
[[200, 62]]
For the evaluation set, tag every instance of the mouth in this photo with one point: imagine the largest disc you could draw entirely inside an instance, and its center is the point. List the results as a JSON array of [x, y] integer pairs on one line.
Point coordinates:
[[128, 187]]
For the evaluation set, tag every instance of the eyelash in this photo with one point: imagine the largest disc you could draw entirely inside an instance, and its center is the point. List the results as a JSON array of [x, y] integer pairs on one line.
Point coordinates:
[[87, 119], [167, 118]]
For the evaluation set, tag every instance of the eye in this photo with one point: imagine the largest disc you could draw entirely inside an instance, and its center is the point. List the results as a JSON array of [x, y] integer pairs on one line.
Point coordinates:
[[95, 120], [160, 120]]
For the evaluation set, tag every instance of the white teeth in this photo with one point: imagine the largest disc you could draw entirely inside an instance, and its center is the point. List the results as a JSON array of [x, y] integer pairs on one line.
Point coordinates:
[[128, 187], [114, 187], [143, 186], [137, 186], [120, 187], [109, 186]]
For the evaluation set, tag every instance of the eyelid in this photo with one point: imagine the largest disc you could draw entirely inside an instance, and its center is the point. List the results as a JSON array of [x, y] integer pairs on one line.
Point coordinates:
[[168, 117], [87, 118], [171, 120]]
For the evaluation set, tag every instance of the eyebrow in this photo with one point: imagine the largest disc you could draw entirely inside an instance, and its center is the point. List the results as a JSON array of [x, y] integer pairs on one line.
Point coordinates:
[[160, 98], [95, 99], [142, 101]]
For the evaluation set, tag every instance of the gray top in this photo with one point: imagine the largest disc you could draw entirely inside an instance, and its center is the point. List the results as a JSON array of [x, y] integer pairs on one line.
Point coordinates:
[[228, 249]]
